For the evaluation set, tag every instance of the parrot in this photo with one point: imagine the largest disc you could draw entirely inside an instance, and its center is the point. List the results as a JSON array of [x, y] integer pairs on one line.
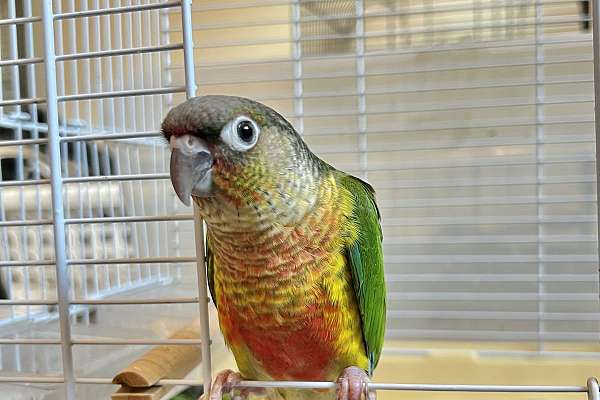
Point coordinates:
[[293, 249]]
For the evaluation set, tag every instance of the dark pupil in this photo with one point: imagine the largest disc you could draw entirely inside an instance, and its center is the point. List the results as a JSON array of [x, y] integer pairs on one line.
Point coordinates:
[[245, 131]]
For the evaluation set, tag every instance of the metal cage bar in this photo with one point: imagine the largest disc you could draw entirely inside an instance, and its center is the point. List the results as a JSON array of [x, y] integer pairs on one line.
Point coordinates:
[[592, 389], [420, 387], [60, 251], [596, 44], [118, 10], [203, 300]]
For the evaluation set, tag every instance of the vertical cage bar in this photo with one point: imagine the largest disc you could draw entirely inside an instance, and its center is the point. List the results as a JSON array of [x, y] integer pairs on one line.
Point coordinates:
[[120, 122], [596, 39], [77, 233], [166, 102], [190, 91], [106, 29], [139, 81], [361, 86], [16, 90], [32, 92], [85, 148], [593, 389], [188, 48], [60, 256], [103, 114], [297, 56], [127, 107], [539, 156]]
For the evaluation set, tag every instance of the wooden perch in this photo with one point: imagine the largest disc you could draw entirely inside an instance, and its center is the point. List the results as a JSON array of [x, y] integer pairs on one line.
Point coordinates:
[[165, 361]]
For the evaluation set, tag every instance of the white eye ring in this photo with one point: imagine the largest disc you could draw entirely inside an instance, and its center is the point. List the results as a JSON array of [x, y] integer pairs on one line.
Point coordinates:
[[241, 133]]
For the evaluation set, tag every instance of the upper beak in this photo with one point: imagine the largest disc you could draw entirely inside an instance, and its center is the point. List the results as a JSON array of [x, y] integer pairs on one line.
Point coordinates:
[[191, 163]]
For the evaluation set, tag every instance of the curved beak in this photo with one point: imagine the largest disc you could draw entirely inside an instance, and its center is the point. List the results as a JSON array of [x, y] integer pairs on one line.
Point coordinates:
[[190, 168]]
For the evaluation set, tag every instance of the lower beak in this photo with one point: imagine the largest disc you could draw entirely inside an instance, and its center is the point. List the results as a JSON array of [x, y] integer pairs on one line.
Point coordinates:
[[190, 171]]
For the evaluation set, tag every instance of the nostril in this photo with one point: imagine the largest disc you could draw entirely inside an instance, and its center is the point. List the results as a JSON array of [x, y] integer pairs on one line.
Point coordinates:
[[188, 144]]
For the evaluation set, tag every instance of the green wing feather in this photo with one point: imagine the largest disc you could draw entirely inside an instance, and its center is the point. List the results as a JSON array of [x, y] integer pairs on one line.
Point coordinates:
[[365, 257]]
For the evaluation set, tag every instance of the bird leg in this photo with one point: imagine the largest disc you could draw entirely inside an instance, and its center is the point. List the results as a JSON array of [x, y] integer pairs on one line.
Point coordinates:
[[224, 384], [352, 385]]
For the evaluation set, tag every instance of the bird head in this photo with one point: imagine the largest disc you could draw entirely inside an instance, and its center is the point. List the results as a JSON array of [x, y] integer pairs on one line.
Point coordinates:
[[235, 148]]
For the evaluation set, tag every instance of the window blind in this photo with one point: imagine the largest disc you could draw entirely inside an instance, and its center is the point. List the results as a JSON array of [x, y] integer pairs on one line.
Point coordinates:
[[472, 119]]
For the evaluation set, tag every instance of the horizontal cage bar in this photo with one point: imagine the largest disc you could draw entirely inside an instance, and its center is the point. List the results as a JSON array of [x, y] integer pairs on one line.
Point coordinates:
[[134, 260], [111, 136], [374, 386], [131, 260], [26, 302], [24, 183], [31, 379], [32, 222], [20, 20], [117, 10], [142, 218], [112, 301], [108, 178], [417, 387], [26, 341], [141, 342], [121, 93], [22, 102], [119, 52], [26, 263], [108, 381], [21, 61], [22, 142]]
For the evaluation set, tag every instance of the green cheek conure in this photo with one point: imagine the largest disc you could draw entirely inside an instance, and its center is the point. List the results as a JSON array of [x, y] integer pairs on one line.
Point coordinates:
[[294, 256]]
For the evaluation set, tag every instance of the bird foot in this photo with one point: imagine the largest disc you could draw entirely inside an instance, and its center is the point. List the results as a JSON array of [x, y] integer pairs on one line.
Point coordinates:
[[224, 384], [352, 385]]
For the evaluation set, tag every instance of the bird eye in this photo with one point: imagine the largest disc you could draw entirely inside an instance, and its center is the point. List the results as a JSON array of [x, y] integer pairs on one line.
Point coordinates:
[[245, 131], [241, 133]]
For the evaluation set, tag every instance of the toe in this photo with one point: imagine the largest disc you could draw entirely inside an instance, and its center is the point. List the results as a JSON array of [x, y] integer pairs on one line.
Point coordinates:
[[223, 384], [232, 379], [352, 385], [355, 389], [371, 395], [341, 392]]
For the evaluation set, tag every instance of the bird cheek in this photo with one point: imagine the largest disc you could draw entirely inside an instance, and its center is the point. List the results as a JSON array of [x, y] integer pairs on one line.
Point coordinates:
[[225, 167]]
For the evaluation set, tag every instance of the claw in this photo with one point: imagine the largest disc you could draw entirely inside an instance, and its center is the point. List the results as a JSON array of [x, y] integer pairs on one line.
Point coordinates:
[[352, 385], [224, 383]]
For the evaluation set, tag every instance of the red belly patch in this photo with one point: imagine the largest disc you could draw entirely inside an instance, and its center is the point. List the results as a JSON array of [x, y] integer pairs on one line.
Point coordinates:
[[300, 351]]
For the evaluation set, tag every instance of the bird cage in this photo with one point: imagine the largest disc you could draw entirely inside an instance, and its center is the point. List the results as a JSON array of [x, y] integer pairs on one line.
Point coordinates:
[[89, 226], [472, 119]]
